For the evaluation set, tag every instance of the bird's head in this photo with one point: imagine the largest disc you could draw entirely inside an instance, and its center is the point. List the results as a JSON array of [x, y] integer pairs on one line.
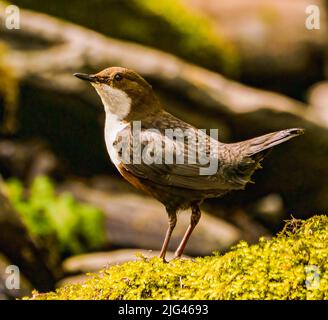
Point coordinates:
[[123, 92]]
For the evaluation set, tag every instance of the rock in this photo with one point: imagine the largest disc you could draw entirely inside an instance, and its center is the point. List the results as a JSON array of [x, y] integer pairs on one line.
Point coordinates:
[[134, 220], [270, 205], [270, 209], [18, 246], [5, 293], [270, 57], [91, 262], [78, 48], [251, 229], [318, 99], [26, 160], [78, 279]]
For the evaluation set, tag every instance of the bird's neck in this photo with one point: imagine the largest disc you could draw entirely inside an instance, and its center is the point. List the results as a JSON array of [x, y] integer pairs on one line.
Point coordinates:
[[143, 108], [117, 103]]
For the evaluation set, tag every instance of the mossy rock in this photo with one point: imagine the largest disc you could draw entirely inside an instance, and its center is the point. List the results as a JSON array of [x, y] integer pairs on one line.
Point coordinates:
[[167, 25], [60, 222], [292, 265]]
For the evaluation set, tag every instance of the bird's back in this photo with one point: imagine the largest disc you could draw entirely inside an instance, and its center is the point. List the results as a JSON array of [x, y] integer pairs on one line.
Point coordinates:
[[233, 164]]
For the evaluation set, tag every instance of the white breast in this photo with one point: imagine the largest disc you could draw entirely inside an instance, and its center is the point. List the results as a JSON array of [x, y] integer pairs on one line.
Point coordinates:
[[112, 127], [117, 106]]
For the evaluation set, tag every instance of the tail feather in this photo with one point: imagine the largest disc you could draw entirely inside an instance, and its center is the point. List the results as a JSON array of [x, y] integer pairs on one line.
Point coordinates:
[[254, 150], [267, 141]]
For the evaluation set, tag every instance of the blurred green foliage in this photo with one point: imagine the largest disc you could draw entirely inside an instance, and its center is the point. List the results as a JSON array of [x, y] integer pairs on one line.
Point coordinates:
[[293, 265], [168, 25], [77, 227]]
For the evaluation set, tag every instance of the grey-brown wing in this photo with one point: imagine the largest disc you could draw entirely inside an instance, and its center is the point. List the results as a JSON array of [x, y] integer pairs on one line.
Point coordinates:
[[155, 163]]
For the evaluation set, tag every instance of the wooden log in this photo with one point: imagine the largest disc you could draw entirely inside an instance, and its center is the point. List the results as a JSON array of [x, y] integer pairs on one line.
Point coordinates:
[[274, 46], [68, 48]]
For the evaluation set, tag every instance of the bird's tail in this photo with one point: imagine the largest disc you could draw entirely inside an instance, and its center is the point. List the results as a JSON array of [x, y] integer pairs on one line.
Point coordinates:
[[258, 145], [251, 152]]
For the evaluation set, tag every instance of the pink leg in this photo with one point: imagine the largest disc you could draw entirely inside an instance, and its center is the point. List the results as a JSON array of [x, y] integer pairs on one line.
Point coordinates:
[[172, 223], [195, 216]]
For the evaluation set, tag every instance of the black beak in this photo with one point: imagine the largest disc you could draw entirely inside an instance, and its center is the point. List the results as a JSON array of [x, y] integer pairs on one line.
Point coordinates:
[[87, 77]]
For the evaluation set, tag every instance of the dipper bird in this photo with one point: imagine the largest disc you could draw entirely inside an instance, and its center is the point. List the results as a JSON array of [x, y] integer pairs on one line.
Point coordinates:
[[128, 99]]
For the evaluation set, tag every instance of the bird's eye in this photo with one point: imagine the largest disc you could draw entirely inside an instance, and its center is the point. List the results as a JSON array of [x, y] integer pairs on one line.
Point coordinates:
[[118, 77]]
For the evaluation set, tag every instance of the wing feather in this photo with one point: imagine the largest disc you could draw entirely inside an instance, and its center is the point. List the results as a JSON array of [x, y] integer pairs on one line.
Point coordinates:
[[182, 175]]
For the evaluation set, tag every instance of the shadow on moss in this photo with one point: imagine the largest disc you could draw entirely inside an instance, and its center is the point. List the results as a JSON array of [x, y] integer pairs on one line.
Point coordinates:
[[292, 265]]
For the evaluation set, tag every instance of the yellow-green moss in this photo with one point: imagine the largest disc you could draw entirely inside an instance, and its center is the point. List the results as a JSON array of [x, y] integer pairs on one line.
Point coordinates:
[[292, 265]]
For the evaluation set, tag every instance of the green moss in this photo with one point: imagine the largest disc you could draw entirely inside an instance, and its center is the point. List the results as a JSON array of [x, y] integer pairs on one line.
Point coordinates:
[[168, 25], [77, 227], [292, 265]]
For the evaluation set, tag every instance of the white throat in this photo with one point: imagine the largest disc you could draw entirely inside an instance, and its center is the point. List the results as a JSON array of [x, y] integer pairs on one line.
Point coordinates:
[[115, 101], [117, 106]]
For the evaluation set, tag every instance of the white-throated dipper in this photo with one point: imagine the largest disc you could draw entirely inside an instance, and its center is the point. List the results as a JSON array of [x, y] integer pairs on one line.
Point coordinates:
[[178, 184]]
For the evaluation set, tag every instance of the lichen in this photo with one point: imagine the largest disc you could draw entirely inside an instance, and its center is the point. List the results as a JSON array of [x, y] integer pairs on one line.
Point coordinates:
[[292, 265]]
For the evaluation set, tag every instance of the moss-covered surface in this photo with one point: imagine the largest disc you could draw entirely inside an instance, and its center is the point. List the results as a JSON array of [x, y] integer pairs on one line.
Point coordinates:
[[292, 265], [168, 25]]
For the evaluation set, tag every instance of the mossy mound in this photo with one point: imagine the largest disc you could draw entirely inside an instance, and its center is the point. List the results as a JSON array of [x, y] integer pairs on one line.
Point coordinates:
[[292, 265]]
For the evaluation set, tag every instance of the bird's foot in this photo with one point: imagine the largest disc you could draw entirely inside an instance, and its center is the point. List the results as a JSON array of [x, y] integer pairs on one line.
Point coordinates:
[[177, 256]]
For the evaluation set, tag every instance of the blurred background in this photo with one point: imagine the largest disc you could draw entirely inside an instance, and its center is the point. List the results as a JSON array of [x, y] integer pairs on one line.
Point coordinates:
[[245, 67]]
